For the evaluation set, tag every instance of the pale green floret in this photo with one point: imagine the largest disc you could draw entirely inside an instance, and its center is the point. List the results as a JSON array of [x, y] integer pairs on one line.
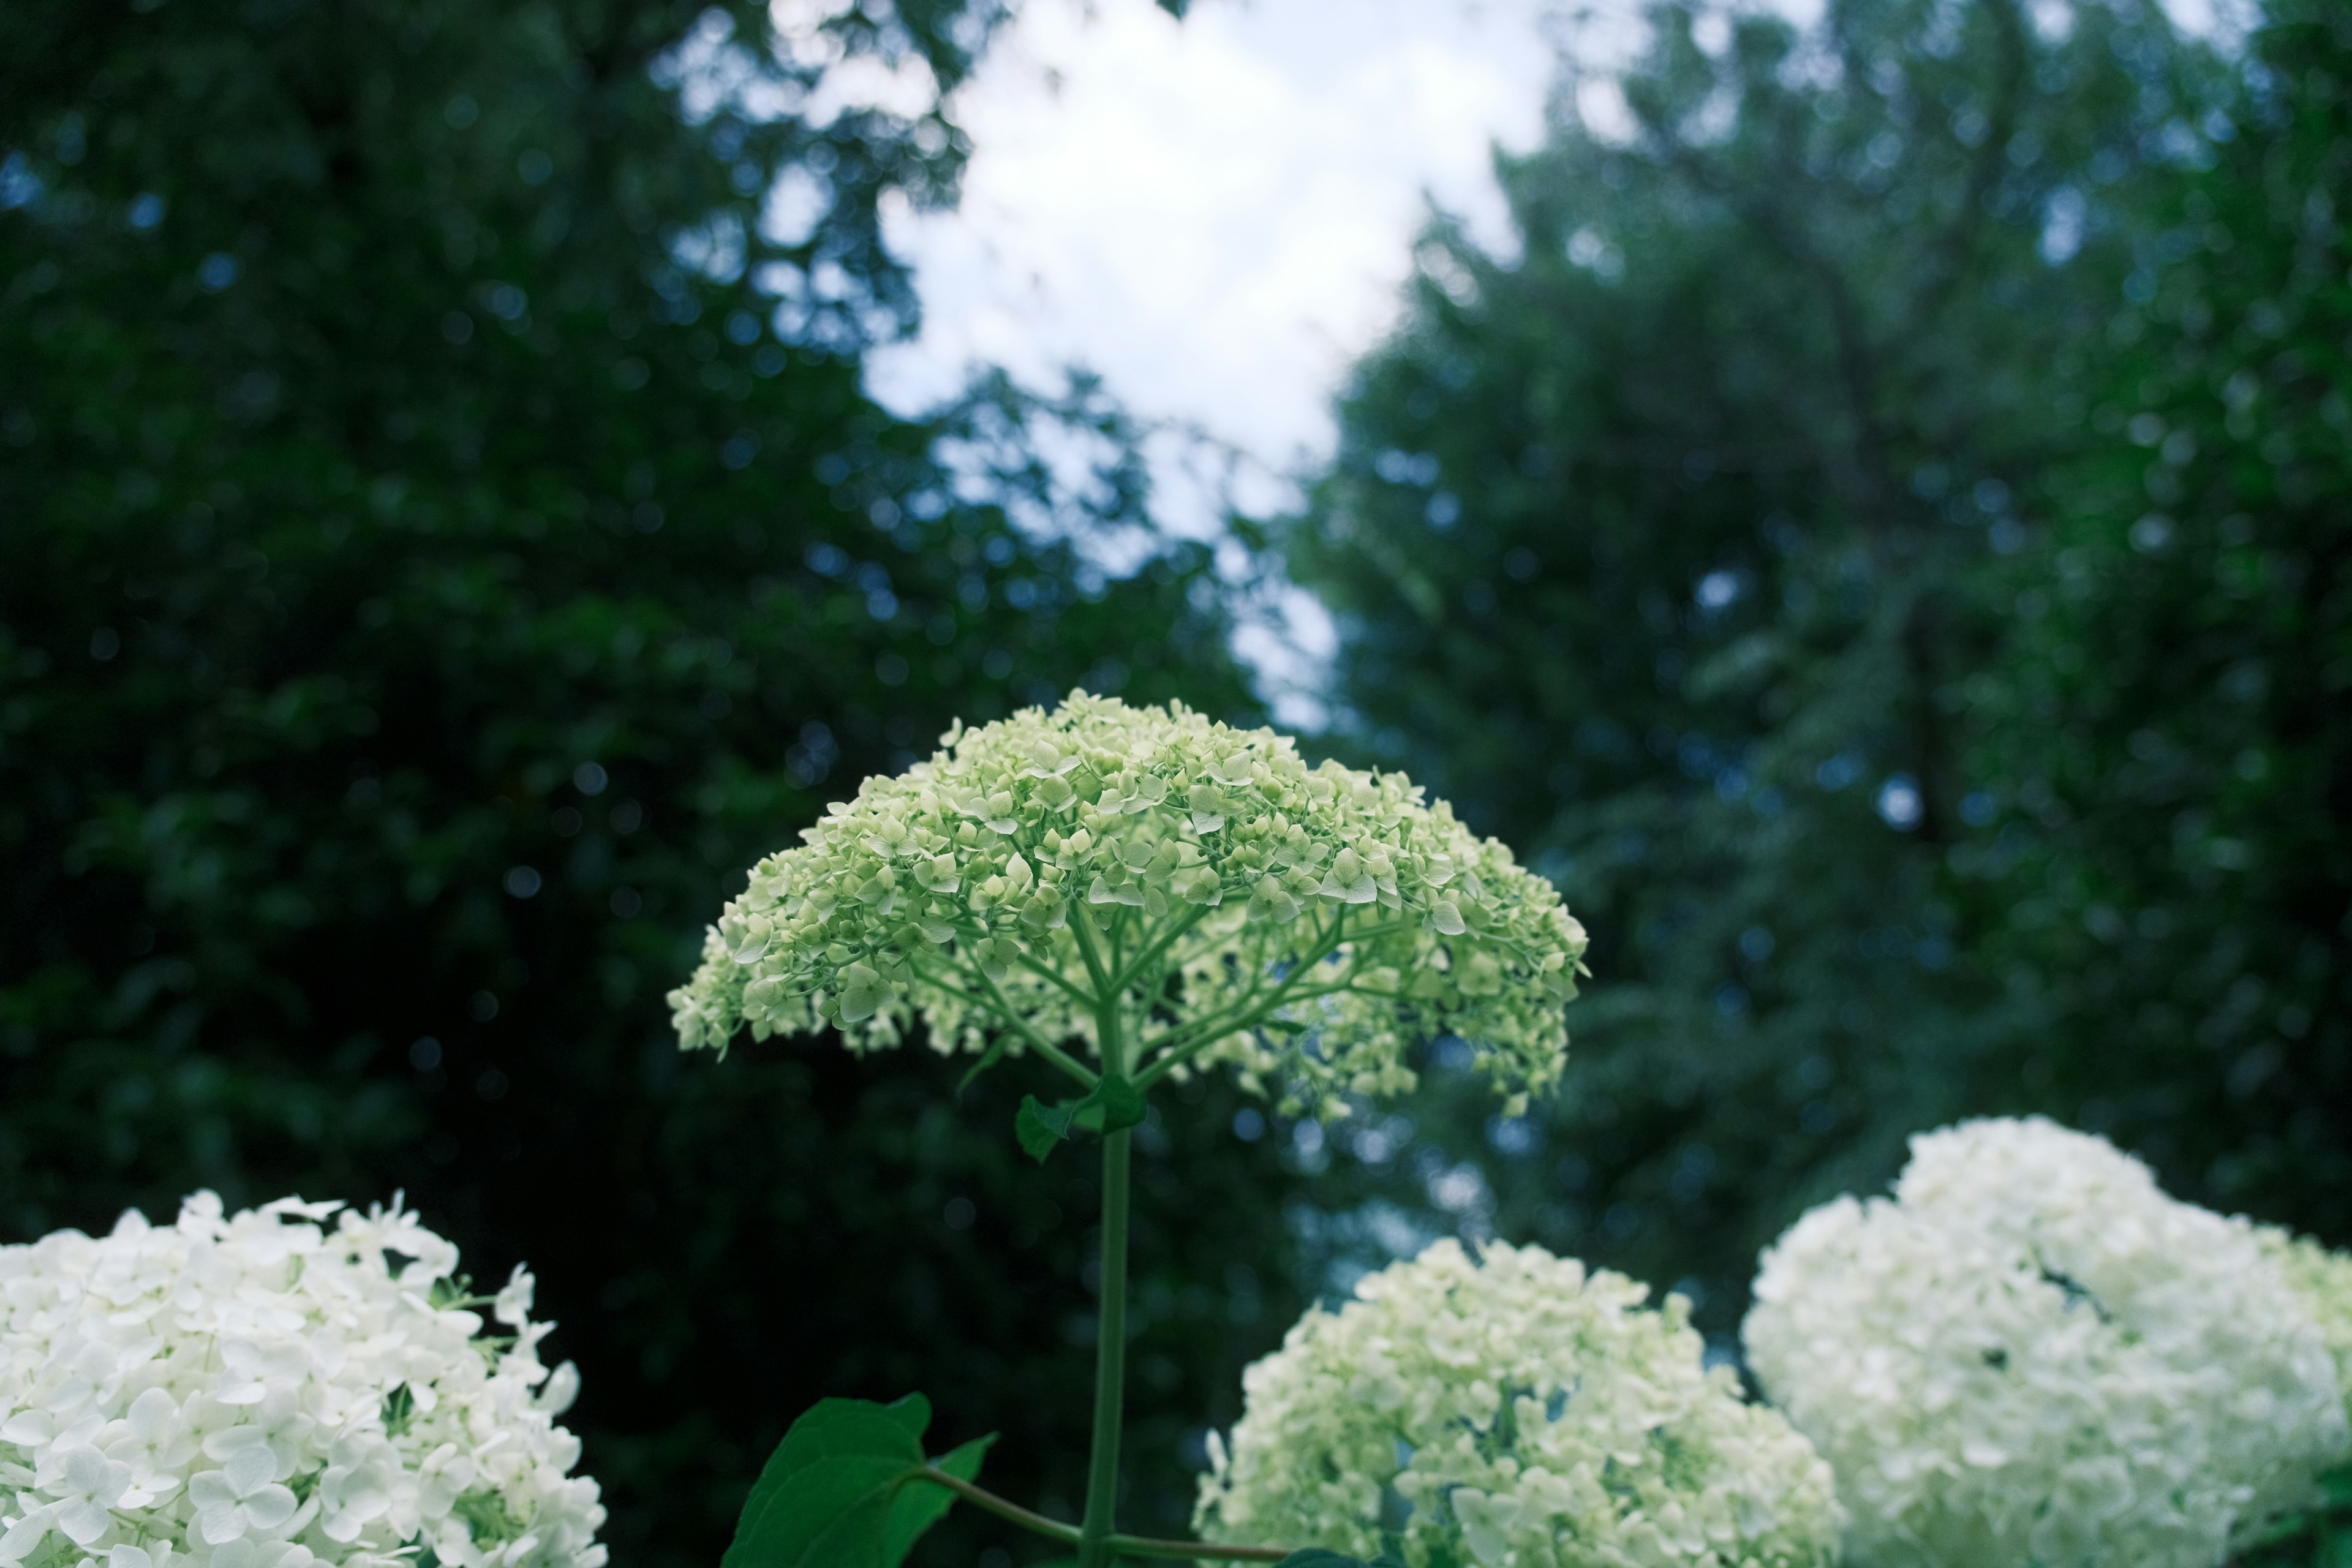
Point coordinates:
[[1197, 887], [2322, 1283], [1513, 1409]]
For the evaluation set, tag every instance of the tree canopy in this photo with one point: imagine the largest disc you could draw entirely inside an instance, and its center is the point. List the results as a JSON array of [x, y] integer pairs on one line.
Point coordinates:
[[1874, 538], [443, 535]]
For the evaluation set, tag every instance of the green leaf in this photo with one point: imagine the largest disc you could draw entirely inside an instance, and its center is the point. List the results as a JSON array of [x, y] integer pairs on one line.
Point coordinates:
[[1121, 1104], [1040, 1126], [911, 1410], [988, 1059], [842, 1489], [918, 1506], [1112, 1104], [1320, 1557]]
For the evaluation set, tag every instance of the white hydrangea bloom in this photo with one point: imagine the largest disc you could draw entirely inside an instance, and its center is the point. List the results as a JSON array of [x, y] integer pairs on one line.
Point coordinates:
[[264, 1390], [2031, 1355], [1513, 1409], [2322, 1280], [1201, 886]]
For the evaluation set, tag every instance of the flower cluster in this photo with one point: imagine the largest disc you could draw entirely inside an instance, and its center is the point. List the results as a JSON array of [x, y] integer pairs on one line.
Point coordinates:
[[1513, 1409], [262, 1391], [1199, 889], [2322, 1281], [2031, 1355]]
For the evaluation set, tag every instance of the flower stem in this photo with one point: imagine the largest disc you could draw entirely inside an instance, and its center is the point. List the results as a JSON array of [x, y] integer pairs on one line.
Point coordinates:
[[1110, 1343], [1110, 1358], [1126, 1545]]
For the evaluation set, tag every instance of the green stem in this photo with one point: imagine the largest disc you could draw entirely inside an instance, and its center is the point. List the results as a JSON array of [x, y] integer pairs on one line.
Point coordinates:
[[1012, 1019], [1003, 1508], [1080, 922], [1173, 1047], [1136, 970], [1110, 1343], [1048, 973], [1168, 1061], [1128, 1545]]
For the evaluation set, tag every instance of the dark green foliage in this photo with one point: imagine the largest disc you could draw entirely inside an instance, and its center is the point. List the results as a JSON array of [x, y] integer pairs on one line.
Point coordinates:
[[2316, 1536], [422, 595], [2169, 729], [1698, 550]]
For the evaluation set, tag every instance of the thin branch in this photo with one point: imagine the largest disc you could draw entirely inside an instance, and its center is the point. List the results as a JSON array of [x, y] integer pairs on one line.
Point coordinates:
[[1180, 1045], [995, 1002], [1947, 255], [1127, 1545], [1169, 1061], [1226, 1019], [1003, 1508], [1158, 945], [1047, 972]]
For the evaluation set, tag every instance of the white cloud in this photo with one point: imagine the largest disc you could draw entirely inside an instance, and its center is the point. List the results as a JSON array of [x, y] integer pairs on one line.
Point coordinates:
[[1215, 214]]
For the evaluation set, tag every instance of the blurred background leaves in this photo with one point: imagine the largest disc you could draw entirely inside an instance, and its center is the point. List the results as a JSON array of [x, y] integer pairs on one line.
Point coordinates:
[[1877, 539], [1880, 546]]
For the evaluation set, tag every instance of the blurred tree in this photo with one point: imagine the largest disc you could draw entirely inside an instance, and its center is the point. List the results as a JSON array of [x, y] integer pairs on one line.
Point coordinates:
[[2165, 740], [442, 536], [1652, 543]]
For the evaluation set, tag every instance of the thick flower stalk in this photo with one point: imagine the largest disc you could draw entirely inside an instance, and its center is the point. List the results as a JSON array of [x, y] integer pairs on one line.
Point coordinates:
[[1196, 891], [264, 1390], [1514, 1409], [2030, 1355]]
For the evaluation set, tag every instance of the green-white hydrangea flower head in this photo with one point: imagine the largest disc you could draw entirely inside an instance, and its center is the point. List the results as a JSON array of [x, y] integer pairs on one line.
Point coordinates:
[[2031, 1355], [1186, 892], [1513, 1409], [2322, 1281], [266, 1389]]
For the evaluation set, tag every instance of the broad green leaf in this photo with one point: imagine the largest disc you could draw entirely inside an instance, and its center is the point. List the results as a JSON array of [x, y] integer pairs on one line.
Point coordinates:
[[1040, 1126], [1321, 1557], [919, 1504], [842, 1489], [911, 1410]]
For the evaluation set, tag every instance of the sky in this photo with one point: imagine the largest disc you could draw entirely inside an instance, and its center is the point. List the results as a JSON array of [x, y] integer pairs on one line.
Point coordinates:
[[1218, 217], [1215, 215]]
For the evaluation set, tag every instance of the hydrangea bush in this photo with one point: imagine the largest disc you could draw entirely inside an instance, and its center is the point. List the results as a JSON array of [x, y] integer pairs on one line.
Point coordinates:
[[1514, 1409], [267, 1390], [2030, 1355]]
